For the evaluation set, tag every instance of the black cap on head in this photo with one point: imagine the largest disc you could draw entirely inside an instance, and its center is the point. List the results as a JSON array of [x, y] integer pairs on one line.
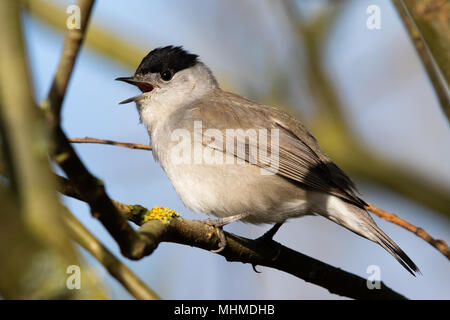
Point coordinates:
[[169, 58]]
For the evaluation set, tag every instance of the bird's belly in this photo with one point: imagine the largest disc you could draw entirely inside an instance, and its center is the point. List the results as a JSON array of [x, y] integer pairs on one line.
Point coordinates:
[[228, 189]]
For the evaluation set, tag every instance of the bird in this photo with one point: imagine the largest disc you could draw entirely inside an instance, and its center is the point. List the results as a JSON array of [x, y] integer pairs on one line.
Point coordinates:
[[238, 160]]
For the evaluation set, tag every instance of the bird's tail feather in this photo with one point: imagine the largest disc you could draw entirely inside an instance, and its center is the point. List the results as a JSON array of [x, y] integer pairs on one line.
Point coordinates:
[[360, 222], [390, 246]]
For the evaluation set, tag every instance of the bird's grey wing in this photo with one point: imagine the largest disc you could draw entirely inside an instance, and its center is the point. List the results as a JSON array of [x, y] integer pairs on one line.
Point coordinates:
[[300, 158], [322, 173]]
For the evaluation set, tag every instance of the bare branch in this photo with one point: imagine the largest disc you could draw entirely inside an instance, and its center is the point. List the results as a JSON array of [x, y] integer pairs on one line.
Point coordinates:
[[265, 253], [111, 142]]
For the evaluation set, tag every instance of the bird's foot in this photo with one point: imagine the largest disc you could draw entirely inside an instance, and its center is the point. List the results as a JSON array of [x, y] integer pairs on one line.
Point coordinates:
[[219, 224]]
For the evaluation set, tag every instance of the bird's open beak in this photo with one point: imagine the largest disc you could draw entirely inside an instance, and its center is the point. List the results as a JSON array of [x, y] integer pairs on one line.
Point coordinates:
[[142, 85]]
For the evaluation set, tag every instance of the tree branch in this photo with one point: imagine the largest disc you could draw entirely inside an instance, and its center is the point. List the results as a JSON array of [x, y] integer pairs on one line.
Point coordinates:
[[163, 225], [265, 253], [132, 244], [111, 142]]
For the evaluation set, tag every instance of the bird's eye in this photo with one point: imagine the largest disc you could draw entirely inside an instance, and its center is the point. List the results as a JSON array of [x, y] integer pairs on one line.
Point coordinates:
[[166, 75]]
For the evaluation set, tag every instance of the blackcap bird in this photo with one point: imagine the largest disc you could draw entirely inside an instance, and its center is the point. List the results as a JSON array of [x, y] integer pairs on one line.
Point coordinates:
[[237, 159]]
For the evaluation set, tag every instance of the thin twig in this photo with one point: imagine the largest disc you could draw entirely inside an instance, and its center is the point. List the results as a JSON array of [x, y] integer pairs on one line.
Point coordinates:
[[111, 142], [115, 267], [437, 243], [167, 228]]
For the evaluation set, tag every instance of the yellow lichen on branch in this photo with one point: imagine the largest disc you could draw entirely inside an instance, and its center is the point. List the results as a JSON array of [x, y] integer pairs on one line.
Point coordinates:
[[162, 214], [139, 214]]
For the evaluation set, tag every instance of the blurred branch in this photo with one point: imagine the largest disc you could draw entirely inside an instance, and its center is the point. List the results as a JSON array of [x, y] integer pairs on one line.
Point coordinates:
[[433, 18], [336, 136], [34, 261], [23, 130], [164, 225], [313, 34], [110, 142], [30, 268], [132, 244], [6, 160], [115, 267], [72, 44], [421, 233]]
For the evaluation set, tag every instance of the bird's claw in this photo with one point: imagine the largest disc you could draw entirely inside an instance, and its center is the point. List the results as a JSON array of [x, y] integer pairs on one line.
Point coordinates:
[[222, 240], [254, 268], [218, 224]]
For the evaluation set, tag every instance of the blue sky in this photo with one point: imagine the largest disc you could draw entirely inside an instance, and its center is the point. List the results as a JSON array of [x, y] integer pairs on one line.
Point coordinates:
[[388, 100]]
